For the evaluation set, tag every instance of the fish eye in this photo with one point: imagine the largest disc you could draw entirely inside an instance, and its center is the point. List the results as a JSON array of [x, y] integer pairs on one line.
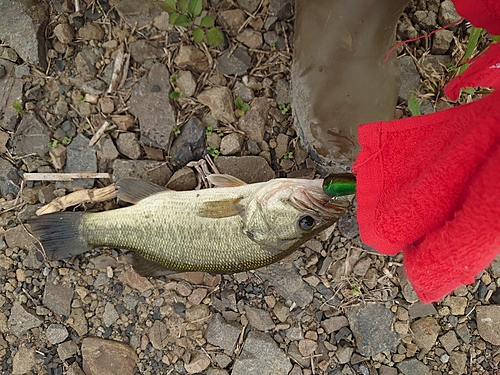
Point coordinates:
[[306, 222]]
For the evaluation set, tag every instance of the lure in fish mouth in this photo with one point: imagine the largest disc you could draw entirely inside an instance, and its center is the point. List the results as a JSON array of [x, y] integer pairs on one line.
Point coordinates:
[[231, 228]]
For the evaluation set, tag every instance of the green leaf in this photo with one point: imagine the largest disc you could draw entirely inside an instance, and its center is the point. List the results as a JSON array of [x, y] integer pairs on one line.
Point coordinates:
[[18, 106], [182, 5], [207, 21], [239, 102], [195, 7], [474, 36], [469, 90], [198, 35], [414, 105], [183, 20], [214, 37], [173, 17], [168, 6]]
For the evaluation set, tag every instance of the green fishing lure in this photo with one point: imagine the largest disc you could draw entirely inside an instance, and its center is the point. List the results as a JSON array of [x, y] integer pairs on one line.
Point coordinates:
[[339, 184]]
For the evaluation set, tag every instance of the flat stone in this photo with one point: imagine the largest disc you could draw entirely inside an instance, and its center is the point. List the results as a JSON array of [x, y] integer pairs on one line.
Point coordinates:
[[78, 321], [197, 364], [110, 315], [413, 367], [250, 38], [243, 92], [238, 63], [137, 14], [287, 282], [22, 27], [57, 298], [66, 350], [259, 319], [457, 304], [249, 5], [95, 87], [488, 323], [23, 361], [153, 171], [107, 357], [409, 78], [371, 327], [107, 105], [56, 333], [107, 149], [80, 157], [442, 42], [220, 102], [143, 50], [74, 369], [150, 102], [307, 347], [419, 310], [222, 334], [91, 31], [232, 20], [21, 321], [334, 324], [64, 32], [447, 13], [458, 361], [31, 136], [18, 237], [261, 355], [191, 57], [348, 226], [231, 144], [9, 179], [425, 331], [425, 19], [128, 145], [253, 123], [85, 63], [186, 83], [11, 89], [449, 341], [136, 281], [343, 354], [189, 144], [183, 179]]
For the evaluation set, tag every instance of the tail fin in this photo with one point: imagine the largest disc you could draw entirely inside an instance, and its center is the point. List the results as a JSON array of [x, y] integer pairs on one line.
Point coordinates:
[[60, 234]]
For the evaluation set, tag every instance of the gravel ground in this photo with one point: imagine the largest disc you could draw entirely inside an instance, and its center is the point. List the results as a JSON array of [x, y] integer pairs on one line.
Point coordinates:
[[333, 307]]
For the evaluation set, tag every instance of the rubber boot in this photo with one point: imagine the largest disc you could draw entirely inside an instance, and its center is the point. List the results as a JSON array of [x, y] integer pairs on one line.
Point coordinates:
[[339, 77]]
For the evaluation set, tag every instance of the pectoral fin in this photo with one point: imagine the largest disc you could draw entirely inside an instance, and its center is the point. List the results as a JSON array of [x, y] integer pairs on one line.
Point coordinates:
[[148, 268], [224, 180], [132, 190], [221, 208]]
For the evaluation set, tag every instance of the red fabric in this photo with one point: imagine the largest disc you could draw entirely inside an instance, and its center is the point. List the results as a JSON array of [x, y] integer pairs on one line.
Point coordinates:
[[430, 185], [481, 13]]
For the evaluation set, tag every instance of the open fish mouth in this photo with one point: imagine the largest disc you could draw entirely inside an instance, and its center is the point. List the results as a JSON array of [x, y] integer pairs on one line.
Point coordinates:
[[318, 204]]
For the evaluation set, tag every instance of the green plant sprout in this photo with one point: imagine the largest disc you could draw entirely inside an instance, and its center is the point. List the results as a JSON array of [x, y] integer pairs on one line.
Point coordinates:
[[220, 133], [185, 13], [355, 290], [209, 130], [288, 155], [414, 105], [86, 126], [18, 106], [212, 150], [54, 143], [242, 106], [176, 130], [66, 141], [176, 93], [81, 98], [272, 45], [284, 108]]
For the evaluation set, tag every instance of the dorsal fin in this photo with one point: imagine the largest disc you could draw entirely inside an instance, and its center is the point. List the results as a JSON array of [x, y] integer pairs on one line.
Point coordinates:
[[224, 180], [220, 208], [132, 190]]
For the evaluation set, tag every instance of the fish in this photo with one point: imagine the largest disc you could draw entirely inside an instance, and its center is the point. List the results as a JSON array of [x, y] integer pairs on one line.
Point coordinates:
[[229, 228], [339, 184]]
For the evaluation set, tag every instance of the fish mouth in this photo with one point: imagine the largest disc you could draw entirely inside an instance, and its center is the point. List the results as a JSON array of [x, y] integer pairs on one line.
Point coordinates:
[[318, 204]]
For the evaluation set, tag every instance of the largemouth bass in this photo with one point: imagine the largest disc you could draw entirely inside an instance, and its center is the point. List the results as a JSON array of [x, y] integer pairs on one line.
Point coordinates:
[[230, 228]]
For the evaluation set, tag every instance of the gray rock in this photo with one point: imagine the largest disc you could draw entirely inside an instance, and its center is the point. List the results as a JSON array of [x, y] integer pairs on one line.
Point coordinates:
[[222, 334], [261, 355], [232, 19], [143, 50], [22, 26], [371, 327], [182, 179], [271, 37], [442, 42], [11, 89], [57, 298], [107, 149], [220, 102], [128, 145], [449, 341], [66, 350], [254, 121], [85, 63], [334, 324], [406, 29], [348, 226], [409, 78], [250, 38], [186, 83], [249, 5], [413, 367], [56, 333], [110, 315], [386, 370], [288, 283], [344, 354], [259, 319], [231, 144], [23, 361], [243, 92], [238, 63], [119, 358], [31, 136], [425, 19], [78, 321], [458, 361], [91, 31], [190, 144], [281, 145], [153, 171], [425, 331], [21, 321], [488, 323], [250, 169], [9, 54], [282, 9], [64, 32], [447, 13], [80, 157], [137, 14], [66, 129], [190, 56], [94, 87], [282, 92], [419, 310], [150, 102], [9, 179]]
